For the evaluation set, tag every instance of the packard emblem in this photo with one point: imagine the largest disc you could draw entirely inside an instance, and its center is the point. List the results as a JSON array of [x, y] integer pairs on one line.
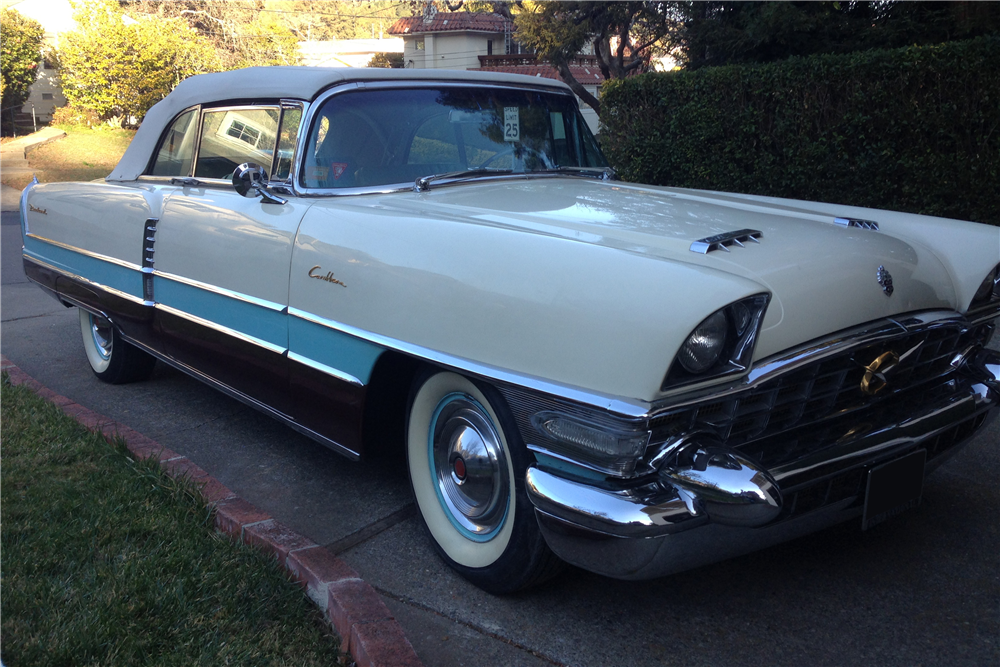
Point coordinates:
[[875, 379], [885, 280], [328, 276]]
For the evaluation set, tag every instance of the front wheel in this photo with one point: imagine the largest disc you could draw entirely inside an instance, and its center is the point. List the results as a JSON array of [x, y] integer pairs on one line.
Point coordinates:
[[111, 357], [467, 466]]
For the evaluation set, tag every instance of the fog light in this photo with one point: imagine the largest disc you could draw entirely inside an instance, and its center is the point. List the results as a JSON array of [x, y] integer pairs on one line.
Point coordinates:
[[591, 437]]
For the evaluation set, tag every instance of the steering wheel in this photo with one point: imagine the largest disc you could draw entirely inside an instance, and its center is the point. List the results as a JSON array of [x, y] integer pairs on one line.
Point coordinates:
[[493, 158]]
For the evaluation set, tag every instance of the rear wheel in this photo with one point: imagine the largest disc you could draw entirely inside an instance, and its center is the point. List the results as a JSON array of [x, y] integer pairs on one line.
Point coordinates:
[[112, 359], [467, 466]]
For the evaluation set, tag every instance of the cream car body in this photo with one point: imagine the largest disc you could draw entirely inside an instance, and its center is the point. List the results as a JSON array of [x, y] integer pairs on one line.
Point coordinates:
[[569, 296]]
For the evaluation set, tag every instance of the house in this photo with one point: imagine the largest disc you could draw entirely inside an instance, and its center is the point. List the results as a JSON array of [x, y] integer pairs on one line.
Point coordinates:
[[346, 52], [479, 41], [56, 17]]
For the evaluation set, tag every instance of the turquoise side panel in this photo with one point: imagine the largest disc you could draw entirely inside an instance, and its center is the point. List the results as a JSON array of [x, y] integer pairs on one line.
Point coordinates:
[[247, 318], [333, 348], [324, 345], [99, 271]]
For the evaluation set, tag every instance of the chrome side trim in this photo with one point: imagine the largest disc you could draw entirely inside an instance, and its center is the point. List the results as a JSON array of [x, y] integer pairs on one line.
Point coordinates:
[[23, 207], [323, 368], [223, 329], [87, 253], [87, 281], [233, 294], [723, 241], [623, 407], [252, 402], [985, 313], [854, 222]]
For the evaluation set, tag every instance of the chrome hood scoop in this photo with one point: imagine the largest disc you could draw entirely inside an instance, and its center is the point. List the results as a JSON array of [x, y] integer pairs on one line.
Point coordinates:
[[824, 273]]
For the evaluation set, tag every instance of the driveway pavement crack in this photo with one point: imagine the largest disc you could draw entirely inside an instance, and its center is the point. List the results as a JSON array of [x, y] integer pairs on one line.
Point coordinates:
[[371, 530], [475, 628], [26, 317], [198, 425]]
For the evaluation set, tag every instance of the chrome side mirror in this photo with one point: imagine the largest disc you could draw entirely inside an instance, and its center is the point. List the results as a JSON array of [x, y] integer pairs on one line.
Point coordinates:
[[250, 180]]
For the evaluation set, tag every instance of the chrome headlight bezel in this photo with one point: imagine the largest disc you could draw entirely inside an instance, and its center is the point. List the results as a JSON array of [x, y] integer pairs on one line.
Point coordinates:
[[743, 321], [988, 290]]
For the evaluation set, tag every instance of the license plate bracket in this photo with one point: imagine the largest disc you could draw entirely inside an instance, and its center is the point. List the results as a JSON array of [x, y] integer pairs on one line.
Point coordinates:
[[893, 487]]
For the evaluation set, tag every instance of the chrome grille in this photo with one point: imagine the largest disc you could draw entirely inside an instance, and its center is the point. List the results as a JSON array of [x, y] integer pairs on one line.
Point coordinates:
[[824, 395]]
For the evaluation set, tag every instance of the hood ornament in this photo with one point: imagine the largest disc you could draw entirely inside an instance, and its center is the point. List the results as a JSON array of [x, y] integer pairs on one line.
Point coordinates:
[[885, 280], [877, 372]]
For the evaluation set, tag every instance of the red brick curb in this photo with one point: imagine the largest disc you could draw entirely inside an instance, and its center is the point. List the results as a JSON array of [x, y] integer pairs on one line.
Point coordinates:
[[368, 631]]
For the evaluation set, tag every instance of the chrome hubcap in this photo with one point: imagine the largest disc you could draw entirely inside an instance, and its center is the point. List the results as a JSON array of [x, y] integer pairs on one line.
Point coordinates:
[[100, 329], [470, 466]]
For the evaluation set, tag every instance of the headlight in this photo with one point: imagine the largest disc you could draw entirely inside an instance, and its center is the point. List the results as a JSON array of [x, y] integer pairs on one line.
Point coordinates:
[[722, 344], [702, 348], [986, 289]]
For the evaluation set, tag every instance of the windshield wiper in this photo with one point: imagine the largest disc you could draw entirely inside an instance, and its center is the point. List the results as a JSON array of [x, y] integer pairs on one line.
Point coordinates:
[[605, 173], [424, 182]]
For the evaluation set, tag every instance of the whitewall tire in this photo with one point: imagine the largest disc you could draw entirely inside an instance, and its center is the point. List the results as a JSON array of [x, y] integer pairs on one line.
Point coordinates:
[[467, 466], [112, 359]]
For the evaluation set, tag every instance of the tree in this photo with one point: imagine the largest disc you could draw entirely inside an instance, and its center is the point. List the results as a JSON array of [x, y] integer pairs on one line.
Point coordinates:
[[20, 52], [339, 20], [387, 60], [242, 33], [720, 33], [119, 66], [624, 35]]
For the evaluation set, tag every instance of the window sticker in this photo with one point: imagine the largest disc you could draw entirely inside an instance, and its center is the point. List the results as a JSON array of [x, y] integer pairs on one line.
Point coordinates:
[[511, 124], [316, 173], [558, 128], [338, 169]]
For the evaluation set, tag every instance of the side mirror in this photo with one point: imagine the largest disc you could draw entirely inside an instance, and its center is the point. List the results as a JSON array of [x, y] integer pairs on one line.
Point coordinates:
[[250, 180]]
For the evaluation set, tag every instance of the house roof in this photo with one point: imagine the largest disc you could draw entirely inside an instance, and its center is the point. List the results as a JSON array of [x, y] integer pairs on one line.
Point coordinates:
[[448, 22], [587, 76]]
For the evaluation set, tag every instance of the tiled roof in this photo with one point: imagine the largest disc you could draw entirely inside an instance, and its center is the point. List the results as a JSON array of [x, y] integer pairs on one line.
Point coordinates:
[[448, 22], [587, 76]]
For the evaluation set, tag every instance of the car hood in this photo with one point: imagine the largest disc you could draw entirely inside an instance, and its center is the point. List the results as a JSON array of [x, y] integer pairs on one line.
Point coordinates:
[[823, 277]]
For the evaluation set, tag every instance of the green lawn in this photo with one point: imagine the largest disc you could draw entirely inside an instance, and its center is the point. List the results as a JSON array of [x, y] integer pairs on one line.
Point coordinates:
[[83, 155], [108, 561]]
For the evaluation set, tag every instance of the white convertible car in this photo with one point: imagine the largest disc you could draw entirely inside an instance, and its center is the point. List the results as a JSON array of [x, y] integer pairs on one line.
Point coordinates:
[[633, 379]]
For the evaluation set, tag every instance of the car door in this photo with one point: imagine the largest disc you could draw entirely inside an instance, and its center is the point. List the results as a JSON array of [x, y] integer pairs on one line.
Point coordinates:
[[221, 259]]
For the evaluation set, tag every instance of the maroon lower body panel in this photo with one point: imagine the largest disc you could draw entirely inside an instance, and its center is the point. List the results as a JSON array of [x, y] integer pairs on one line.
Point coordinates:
[[133, 319], [318, 405]]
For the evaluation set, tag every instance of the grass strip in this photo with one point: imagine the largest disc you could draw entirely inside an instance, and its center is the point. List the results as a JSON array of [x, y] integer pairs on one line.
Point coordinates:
[[109, 561], [85, 153]]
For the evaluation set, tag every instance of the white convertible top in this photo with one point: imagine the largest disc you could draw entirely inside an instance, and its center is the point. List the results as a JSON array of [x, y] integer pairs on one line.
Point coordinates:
[[300, 83]]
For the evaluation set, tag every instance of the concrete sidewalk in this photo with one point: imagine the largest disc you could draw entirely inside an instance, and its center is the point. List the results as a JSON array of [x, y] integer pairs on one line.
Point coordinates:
[[10, 199], [14, 161]]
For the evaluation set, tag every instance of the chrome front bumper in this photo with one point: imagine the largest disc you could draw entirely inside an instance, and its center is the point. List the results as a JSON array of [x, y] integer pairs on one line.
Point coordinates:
[[641, 532]]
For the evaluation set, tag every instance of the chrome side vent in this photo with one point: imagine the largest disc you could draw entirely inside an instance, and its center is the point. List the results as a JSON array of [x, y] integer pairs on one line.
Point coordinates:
[[148, 239], [723, 241], [854, 222]]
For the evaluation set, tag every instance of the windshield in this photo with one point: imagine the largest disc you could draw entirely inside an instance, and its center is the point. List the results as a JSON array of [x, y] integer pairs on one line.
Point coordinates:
[[386, 137]]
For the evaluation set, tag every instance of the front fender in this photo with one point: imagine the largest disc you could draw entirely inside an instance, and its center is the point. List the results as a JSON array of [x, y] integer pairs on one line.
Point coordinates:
[[577, 314]]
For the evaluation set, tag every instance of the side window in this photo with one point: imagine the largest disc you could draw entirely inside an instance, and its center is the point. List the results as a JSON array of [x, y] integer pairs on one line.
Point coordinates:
[[177, 150], [287, 137], [230, 137]]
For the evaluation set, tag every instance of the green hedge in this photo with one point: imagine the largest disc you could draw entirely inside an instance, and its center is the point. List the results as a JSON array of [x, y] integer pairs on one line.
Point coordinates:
[[915, 129]]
